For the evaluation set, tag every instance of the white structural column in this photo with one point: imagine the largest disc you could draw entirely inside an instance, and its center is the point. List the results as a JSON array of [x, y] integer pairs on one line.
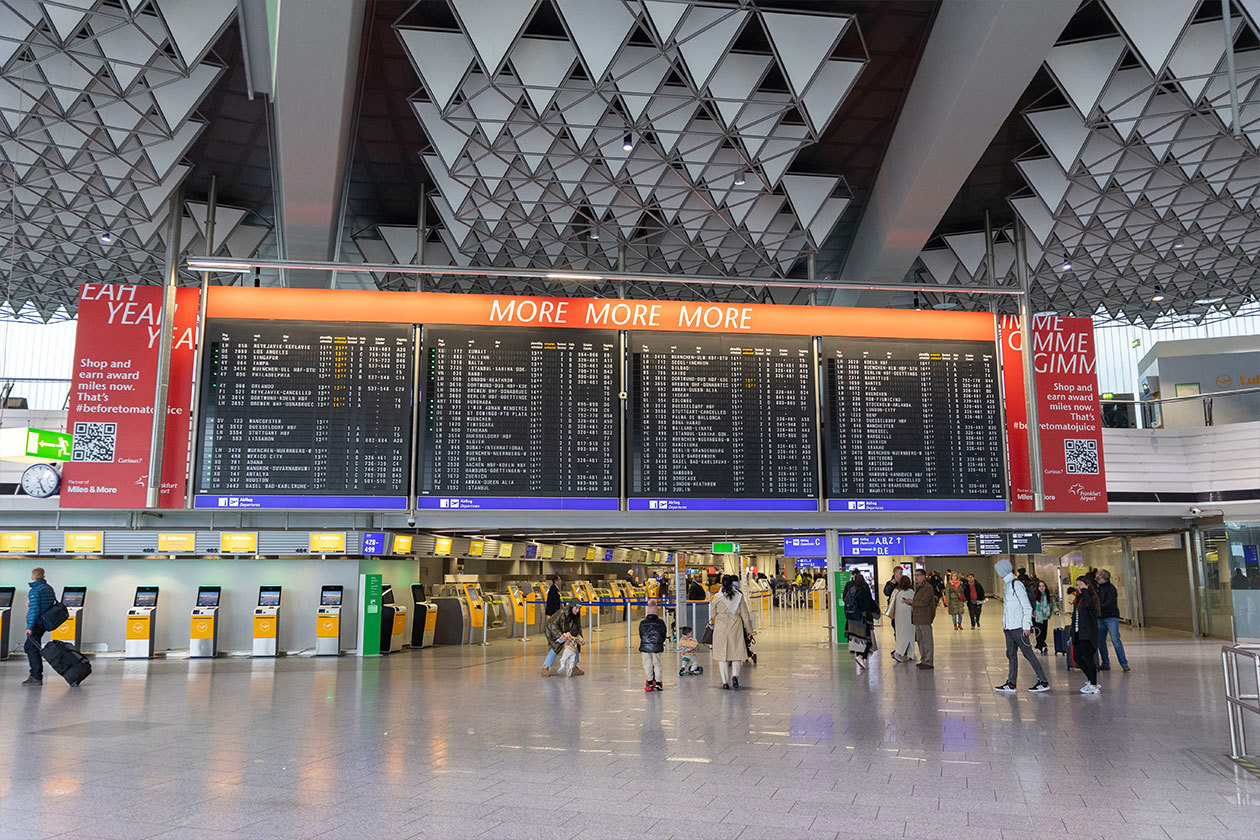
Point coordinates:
[[316, 71], [979, 58]]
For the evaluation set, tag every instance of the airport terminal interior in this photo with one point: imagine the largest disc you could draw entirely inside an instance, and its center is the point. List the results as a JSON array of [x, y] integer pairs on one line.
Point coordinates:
[[630, 418]]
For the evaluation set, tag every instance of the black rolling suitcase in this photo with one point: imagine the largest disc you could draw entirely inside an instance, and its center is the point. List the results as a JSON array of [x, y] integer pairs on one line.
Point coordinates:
[[67, 661]]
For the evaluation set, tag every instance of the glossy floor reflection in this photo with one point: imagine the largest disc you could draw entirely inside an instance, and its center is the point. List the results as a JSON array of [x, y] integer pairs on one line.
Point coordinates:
[[465, 742]]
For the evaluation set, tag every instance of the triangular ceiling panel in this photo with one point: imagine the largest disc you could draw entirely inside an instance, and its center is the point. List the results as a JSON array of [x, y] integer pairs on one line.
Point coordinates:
[[492, 26], [441, 59]]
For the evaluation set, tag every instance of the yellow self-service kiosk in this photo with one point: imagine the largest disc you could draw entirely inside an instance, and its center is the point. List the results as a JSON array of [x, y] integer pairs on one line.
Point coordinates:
[[141, 624], [423, 618], [203, 624], [328, 621], [520, 612], [6, 609], [71, 630], [476, 613], [393, 622], [267, 621]]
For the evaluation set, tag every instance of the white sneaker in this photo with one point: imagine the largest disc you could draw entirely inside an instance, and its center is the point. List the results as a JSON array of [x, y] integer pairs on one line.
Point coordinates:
[[1089, 688]]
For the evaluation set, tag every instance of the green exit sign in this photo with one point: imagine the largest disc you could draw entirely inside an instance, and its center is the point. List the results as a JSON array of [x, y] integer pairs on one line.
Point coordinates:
[[726, 548], [51, 446]]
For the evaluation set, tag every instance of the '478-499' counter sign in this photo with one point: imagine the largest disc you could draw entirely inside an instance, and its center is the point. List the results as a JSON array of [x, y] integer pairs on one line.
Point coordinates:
[[111, 397]]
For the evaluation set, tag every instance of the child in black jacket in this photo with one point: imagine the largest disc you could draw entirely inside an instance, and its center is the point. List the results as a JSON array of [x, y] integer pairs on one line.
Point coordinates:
[[652, 644]]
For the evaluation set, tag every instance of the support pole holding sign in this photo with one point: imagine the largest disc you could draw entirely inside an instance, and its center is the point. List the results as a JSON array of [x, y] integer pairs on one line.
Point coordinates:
[[200, 331], [833, 566], [166, 325], [1036, 478]]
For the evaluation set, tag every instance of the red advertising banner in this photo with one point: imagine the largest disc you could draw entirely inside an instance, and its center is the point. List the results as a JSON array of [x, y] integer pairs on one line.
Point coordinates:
[[1067, 412], [111, 398]]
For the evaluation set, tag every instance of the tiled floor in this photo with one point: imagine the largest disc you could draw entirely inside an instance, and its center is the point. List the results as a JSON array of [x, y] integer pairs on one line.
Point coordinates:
[[464, 742]]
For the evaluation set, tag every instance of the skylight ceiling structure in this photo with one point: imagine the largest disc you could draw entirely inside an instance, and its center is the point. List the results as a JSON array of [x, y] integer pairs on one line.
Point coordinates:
[[648, 136], [1141, 197], [98, 109]]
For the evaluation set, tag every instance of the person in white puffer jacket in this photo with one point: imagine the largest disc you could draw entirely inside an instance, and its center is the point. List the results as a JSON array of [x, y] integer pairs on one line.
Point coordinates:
[[1017, 615]]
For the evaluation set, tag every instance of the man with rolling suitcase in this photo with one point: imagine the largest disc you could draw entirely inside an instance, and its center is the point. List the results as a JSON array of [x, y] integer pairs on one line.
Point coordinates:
[[39, 600]]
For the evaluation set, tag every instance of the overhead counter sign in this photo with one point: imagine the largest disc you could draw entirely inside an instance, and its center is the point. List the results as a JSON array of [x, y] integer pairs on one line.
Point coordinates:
[[899, 545], [805, 547], [238, 543], [19, 542], [184, 543]]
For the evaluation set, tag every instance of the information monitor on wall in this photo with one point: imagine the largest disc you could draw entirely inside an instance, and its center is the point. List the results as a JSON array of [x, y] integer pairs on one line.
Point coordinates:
[[721, 422], [292, 410], [520, 418], [912, 425]]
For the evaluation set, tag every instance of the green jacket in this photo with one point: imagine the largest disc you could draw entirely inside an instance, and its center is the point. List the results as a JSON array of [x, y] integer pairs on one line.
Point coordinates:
[[559, 623], [954, 602]]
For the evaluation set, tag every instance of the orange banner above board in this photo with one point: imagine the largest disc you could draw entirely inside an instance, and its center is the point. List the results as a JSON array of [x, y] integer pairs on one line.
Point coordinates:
[[351, 306]]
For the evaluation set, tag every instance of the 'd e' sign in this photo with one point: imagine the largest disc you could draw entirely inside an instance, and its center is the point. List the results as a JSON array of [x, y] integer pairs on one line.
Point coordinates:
[[1067, 412], [111, 397]]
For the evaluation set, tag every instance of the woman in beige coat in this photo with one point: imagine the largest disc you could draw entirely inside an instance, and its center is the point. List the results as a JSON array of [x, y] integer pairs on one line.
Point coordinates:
[[731, 622]]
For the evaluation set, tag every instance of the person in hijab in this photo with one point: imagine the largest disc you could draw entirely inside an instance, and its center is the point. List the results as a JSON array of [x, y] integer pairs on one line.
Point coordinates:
[[731, 624], [565, 621]]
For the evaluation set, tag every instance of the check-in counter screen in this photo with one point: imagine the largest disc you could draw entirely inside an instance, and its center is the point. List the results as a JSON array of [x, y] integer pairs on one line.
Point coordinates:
[[208, 597], [146, 597], [330, 597], [72, 597], [269, 597], [6, 598]]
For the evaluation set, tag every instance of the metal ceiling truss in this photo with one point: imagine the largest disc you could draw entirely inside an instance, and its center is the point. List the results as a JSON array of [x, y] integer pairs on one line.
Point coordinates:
[[649, 136], [1144, 203], [97, 110]]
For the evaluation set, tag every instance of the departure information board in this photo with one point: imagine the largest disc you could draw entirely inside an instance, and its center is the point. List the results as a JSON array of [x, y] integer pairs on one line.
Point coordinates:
[[298, 415], [721, 422], [520, 419], [912, 425]]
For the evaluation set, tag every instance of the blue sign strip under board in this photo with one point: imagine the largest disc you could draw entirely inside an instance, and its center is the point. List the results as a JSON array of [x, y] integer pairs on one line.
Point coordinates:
[[809, 505], [301, 502]]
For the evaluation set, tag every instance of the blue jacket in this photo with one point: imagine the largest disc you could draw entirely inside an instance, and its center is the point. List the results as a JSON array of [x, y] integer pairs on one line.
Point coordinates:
[[38, 601]]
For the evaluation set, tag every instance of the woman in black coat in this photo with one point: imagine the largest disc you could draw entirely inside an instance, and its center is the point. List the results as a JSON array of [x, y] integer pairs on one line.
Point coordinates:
[[1085, 631], [860, 610]]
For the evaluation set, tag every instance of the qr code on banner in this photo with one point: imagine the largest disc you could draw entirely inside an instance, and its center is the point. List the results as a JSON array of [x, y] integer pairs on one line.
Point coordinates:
[[1080, 456], [94, 442]]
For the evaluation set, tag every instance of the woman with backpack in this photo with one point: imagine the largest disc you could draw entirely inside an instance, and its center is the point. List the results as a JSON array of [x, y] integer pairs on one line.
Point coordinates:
[[1085, 631], [859, 618]]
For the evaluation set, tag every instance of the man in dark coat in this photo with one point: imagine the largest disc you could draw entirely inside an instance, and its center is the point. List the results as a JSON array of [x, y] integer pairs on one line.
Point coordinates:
[[39, 600], [1109, 622]]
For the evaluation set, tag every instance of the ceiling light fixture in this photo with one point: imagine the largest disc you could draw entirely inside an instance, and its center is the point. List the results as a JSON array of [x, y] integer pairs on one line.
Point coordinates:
[[1157, 298], [556, 275], [106, 238], [1067, 266], [628, 142], [594, 233], [214, 265], [741, 178], [1209, 301], [1181, 241]]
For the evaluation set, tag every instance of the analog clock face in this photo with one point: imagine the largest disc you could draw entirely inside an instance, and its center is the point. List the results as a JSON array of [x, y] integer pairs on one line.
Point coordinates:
[[40, 481]]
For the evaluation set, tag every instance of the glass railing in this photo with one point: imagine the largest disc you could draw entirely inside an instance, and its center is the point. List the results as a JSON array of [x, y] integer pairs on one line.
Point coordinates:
[[1218, 408]]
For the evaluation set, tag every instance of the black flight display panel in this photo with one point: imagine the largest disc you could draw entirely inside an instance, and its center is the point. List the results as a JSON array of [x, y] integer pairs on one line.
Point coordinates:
[[520, 419], [722, 422], [305, 415], [912, 425]]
